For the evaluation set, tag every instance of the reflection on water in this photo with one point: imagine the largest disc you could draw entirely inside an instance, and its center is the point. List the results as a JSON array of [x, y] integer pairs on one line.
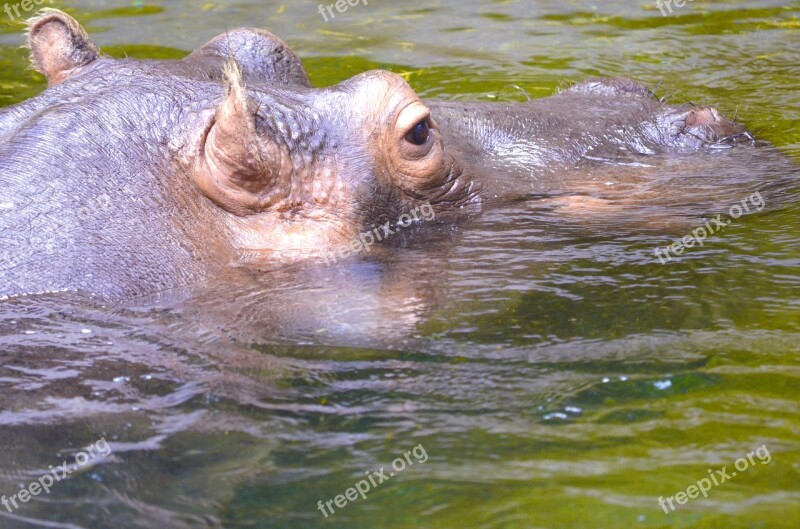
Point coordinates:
[[556, 373]]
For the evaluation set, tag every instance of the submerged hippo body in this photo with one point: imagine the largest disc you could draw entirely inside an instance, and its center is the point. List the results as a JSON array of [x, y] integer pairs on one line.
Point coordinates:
[[132, 176]]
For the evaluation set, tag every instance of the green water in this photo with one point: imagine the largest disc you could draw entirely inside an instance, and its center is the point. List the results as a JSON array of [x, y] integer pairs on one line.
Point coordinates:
[[554, 372]]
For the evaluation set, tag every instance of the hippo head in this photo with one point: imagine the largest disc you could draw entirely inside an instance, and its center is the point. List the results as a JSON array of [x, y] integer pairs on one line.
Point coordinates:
[[285, 166], [300, 167]]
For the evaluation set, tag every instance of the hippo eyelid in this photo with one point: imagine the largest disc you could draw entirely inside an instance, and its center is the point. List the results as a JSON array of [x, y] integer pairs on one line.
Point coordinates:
[[411, 116]]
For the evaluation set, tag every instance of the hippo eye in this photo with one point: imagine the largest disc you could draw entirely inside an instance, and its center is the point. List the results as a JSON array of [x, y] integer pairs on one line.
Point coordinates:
[[420, 133]]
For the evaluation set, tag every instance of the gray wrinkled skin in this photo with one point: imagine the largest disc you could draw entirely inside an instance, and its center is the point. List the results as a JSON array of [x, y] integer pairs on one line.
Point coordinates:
[[96, 196], [84, 174]]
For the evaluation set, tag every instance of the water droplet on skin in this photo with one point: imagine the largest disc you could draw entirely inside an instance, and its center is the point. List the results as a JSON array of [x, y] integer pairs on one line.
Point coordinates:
[[86, 331], [121, 380]]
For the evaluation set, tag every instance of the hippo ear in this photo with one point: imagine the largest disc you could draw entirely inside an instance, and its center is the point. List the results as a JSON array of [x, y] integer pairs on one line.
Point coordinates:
[[262, 57], [234, 168], [58, 45]]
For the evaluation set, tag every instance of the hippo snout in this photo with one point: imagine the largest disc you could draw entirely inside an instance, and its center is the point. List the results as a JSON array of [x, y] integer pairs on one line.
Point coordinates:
[[703, 126]]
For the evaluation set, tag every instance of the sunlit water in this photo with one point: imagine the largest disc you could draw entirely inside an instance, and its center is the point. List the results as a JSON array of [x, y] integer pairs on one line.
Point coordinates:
[[556, 374]]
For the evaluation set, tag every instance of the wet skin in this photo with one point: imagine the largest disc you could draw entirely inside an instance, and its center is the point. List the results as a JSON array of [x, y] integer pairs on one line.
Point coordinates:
[[128, 177]]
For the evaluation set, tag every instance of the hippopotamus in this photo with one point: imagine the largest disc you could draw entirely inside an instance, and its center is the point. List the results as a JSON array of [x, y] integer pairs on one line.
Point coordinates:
[[130, 176]]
